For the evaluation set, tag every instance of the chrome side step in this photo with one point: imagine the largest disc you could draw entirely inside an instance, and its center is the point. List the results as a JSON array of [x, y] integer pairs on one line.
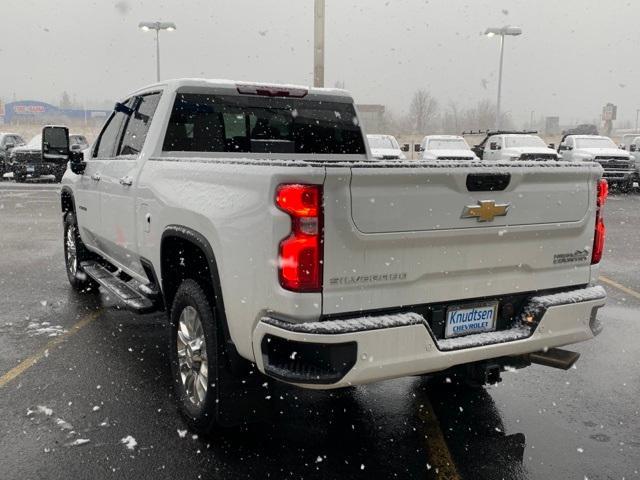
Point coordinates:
[[555, 358], [134, 299]]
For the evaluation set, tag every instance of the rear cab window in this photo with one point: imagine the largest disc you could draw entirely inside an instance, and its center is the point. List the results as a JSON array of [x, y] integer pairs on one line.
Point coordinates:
[[252, 124]]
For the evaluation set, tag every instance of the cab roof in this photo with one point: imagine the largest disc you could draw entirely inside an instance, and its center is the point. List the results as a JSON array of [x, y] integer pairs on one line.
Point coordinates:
[[443, 137], [234, 87], [587, 136]]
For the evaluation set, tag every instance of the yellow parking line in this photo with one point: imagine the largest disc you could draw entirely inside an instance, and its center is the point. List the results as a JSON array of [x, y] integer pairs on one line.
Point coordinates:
[[29, 362], [439, 455], [622, 288]]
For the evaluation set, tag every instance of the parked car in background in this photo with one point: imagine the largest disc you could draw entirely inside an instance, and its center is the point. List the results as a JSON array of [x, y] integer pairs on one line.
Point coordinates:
[[582, 129], [510, 145], [26, 161], [8, 141], [446, 147], [78, 142], [634, 151], [385, 147], [619, 167]]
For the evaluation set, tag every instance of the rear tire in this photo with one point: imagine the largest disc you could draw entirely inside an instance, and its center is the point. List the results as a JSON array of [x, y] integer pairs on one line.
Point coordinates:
[[194, 357], [75, 252]]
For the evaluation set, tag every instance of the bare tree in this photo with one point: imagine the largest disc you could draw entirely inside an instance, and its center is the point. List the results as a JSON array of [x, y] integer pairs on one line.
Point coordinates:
[[65, 101], [451, 119], [483, 117], [422, 112]]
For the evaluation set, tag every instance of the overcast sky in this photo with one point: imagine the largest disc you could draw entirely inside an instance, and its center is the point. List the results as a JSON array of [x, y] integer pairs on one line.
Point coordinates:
[[574, 55]]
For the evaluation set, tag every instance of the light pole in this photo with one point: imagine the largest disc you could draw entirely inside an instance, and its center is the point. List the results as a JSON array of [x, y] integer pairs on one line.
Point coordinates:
[[637, 118], [157, 26], [318, 44], [533, 112], [503, 32]]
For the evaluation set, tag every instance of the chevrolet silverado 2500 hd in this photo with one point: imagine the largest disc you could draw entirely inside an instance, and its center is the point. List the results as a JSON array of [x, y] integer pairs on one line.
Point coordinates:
[[257, 218]]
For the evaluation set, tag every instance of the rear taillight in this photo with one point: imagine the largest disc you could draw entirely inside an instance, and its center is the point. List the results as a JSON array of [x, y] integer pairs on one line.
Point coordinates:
[[601, 230], [300, 255]]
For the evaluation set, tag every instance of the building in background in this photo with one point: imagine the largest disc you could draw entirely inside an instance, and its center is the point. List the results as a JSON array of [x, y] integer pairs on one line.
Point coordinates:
[[552, 126], [372, 118], [39, 113]]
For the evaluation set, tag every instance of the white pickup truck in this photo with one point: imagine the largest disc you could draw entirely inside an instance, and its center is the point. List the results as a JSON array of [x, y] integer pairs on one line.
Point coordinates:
[[446, 147], [618, 164], [507, 146], [256, 217], [385, 147]]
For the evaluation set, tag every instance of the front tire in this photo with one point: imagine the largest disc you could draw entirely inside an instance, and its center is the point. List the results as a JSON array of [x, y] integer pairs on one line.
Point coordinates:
[[194, 356], [75, 252]]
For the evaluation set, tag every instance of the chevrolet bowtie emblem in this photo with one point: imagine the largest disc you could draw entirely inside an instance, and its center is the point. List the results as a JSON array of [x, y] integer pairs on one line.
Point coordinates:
[[486, 211]]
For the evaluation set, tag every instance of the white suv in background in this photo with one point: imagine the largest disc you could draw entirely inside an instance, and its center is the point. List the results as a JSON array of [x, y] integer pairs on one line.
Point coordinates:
[[385, 147], [446, 147]]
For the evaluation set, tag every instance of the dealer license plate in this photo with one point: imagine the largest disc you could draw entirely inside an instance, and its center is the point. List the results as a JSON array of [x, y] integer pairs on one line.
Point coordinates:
[[471, 318]]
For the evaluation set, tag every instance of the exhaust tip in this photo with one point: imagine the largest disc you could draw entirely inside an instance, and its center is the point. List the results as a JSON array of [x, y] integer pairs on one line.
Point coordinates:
[[555, 358]]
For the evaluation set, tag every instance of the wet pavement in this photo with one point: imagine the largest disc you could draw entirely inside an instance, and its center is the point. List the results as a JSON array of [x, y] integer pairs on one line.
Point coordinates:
[[91, 391]]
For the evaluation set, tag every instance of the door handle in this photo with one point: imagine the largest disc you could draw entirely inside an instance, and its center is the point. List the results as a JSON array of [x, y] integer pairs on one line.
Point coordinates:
[[96, 177], [126, 181]]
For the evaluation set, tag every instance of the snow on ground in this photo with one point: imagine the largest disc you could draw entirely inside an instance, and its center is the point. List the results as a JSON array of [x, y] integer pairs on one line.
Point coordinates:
[[35, 329], [79, 441], [64, 424], [42, 409], [129, 442]]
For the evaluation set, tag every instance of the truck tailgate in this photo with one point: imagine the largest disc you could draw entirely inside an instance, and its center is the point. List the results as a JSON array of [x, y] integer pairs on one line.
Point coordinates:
[[401, 236]]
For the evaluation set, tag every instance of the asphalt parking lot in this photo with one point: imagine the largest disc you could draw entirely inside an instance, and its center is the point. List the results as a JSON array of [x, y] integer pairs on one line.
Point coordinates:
[[85, 390]]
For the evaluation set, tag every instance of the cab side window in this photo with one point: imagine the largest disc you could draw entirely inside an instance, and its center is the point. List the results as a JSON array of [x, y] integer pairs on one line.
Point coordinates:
[[108, 140], [138, 123]]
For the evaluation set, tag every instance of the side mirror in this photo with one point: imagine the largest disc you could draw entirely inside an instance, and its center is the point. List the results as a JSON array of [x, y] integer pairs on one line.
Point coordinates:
[[405, 147], [633, 148], [8, 146], [55, 147], [55, 144], [418, 148], [552, 146], [493, 146]]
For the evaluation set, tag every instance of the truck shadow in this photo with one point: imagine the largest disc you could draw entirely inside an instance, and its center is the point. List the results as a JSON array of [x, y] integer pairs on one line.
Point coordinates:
[[474, 431], [375, 432], [372, 431]]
